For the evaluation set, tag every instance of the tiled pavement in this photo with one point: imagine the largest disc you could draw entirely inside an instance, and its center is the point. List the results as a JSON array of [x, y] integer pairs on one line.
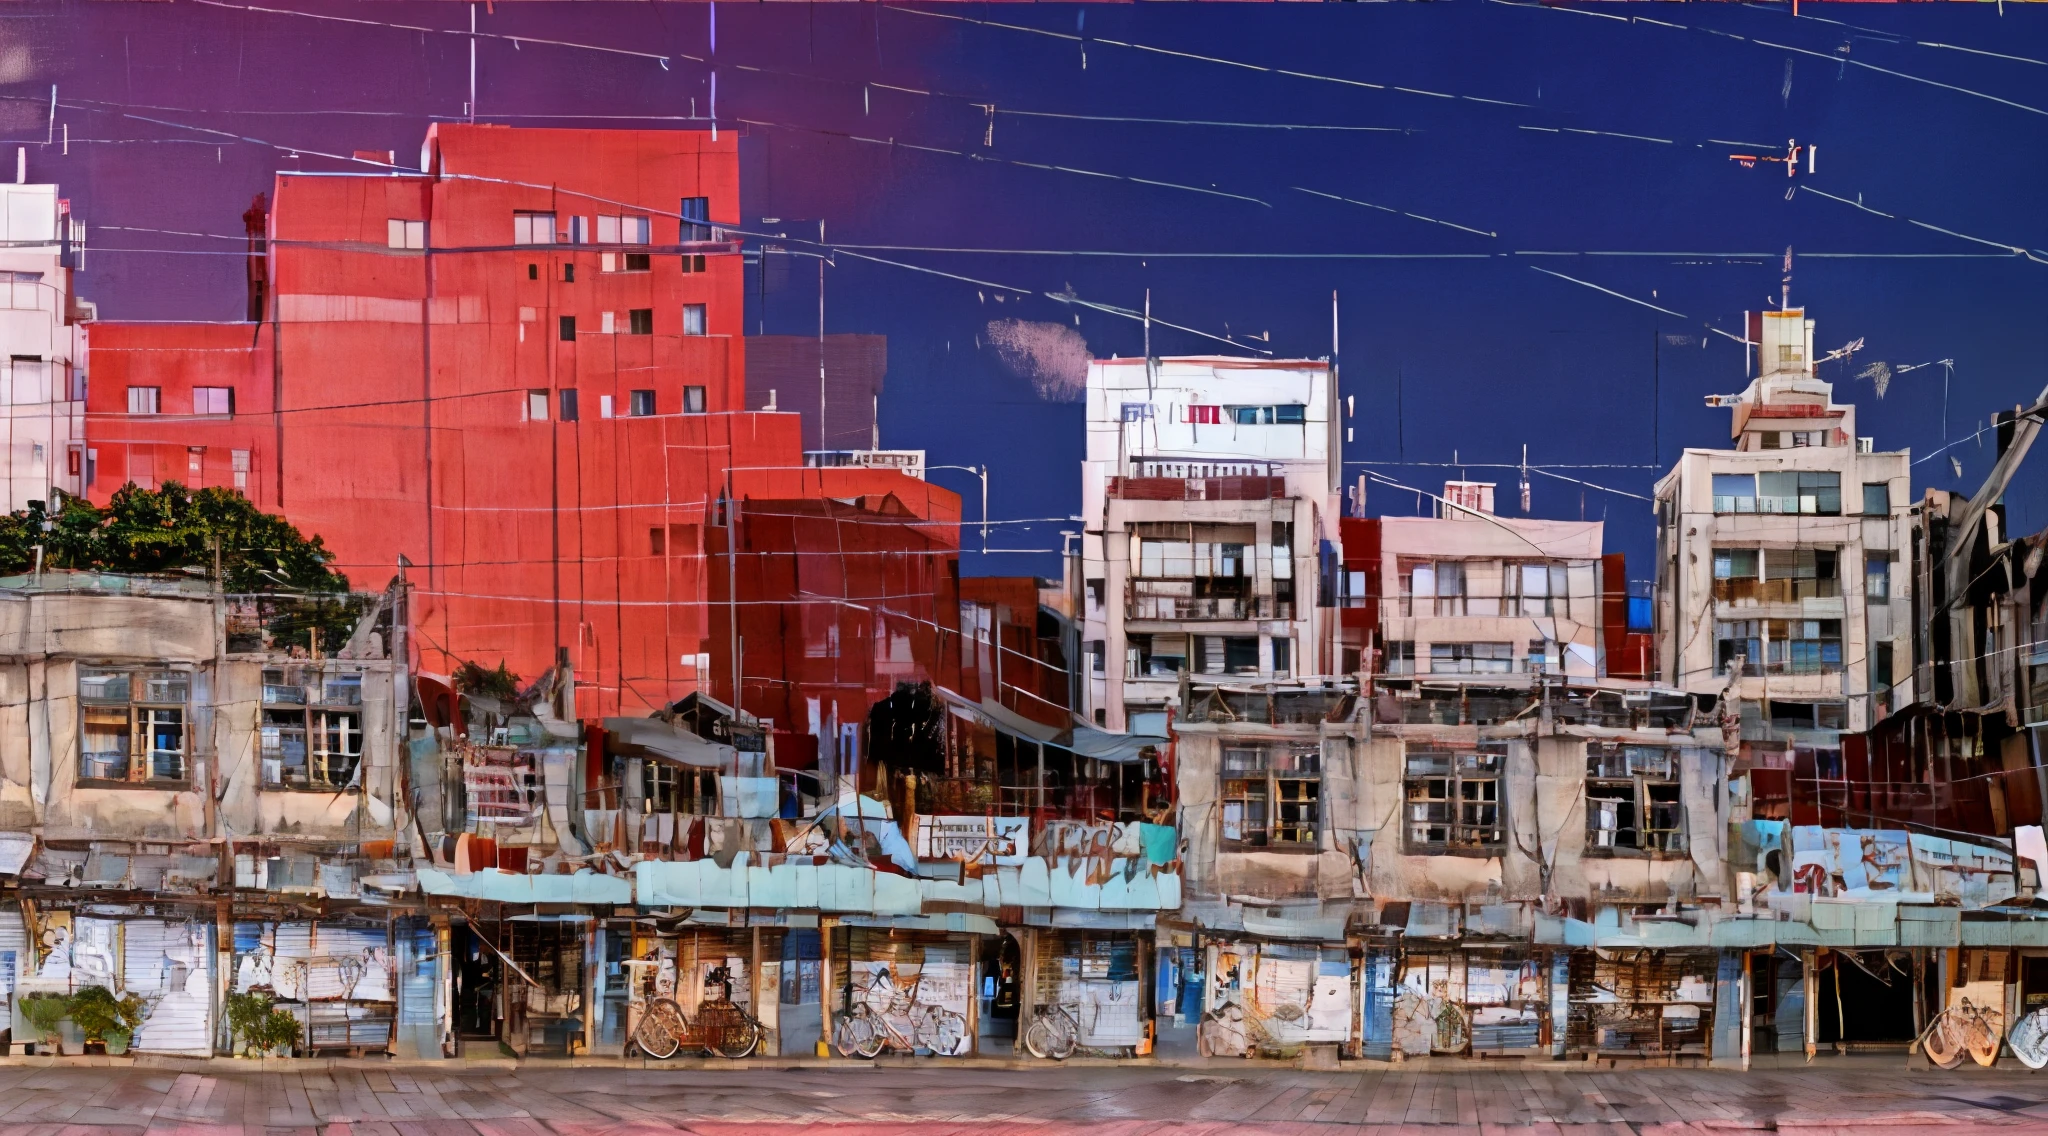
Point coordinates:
[[227, 1099]]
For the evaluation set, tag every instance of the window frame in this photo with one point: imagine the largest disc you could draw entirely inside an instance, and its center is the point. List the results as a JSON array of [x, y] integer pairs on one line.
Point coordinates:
[[694, 400], [696, 319], [1624, 775], [526, 227], [324, 710], [1285, 781], [1485, 765], [640, 404], [152, 396], [203, 396], [143, 718]]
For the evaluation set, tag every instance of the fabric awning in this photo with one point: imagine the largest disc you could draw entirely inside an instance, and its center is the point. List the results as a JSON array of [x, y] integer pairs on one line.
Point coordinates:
[[652, 737], [14, 851], [1085, 741]]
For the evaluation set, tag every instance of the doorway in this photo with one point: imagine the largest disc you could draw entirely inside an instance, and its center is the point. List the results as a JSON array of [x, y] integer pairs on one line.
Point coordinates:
[[476, 985], [1864, 998]]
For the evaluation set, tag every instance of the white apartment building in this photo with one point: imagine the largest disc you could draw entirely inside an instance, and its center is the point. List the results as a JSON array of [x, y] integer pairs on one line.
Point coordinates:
[[1784, 551], [42, 333], [1471, 593], [1210, 496]]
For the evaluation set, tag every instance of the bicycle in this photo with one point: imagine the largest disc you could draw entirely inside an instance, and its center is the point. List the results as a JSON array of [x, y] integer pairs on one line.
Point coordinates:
[[1054, 1032], [721, 1028], [1963, 1030], [865, 1030]]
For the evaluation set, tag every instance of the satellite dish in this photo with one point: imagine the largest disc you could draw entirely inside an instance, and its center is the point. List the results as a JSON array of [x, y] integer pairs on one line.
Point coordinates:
[[2029, 1039]]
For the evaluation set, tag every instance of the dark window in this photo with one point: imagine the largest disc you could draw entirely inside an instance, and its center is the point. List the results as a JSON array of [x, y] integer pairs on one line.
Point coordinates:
[[568, 398], [1282, 655], [640, 321], [1293, 415], [1271, 797], [636, 262], [533, 272], [657, 540], [1881, 667], [1241, 654], [693, 262], [1454, 800], [1632, 800], [568, 273], [642, 404], [568, 329], [696, 213], [1877, 499], [693, 400]]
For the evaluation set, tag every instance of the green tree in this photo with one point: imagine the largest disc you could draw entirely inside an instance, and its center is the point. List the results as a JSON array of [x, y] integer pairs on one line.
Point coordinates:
[[169, 530]]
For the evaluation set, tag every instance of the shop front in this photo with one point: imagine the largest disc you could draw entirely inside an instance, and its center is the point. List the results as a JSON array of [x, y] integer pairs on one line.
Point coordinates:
[[1641, 1002], [1273, 998], [336, 976], [1088, 992], [905, 989]]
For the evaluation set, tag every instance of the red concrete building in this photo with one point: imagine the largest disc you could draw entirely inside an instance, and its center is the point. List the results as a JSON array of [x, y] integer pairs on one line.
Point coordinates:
[[520, 372]]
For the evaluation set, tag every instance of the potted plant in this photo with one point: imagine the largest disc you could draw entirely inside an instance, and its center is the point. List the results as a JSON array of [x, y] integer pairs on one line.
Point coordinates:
[[264, 1030], [105, 1019], [44, 1015]]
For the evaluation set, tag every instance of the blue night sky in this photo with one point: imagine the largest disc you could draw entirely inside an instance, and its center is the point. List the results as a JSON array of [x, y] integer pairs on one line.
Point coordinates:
[[1454, 343]]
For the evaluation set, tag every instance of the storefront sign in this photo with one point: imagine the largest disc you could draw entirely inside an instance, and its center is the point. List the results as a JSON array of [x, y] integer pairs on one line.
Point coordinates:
[[1002, 841]]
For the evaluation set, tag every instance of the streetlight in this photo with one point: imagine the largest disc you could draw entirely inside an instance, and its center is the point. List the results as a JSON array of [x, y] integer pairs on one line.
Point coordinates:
[[982, 473]]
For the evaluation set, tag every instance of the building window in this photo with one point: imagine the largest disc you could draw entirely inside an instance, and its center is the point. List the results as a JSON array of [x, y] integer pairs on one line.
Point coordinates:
[[1230, 654], [1156, 656], [533, 272], [693, 400], [132, 726], [240, 466], [568, 324], [213, 400], [311, 730], [606, 323], [1471, 658], [623, 231], [693, 262], [1877, 499], [142, 400], [1283, 656], [579, 230], [640, 321], [680, 789], [1400, 657], [1632, 800], [537, 406], [696, 219], [1881, 666], [1432, 588], [1453, 800], [1781, 491], [567, 404], [1097, 649], [1272, 797], [1539, 589], [693, 319], [1776, 575], [1291, 414], [657, 540], [1877, 577], [533, 228], [1784, 646], [641, 404], [604, 406], [637, 262], [405, 234], [568, 272]]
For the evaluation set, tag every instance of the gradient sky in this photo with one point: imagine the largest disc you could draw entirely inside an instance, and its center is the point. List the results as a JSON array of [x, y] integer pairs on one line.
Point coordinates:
[[1455, 345]]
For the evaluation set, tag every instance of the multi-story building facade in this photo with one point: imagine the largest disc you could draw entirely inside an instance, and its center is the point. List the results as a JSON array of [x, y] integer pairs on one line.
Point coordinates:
[[1778, 573], [1209, 495], [1470, 593], [539, 334], [42, 333]]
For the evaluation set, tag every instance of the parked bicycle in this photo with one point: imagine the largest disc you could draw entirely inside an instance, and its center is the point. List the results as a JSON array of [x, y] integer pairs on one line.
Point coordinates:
[[1964, 1030], [1054, 1032], [885, 1016], [721, 1028]]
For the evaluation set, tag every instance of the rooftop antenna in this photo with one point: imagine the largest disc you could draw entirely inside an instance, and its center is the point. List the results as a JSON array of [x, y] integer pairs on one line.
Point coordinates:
[[1148, 343], [1785, 296]]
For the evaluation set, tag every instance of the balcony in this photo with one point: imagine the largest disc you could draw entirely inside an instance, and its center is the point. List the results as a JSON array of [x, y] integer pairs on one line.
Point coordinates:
[[1174, 601], [1197, 488], [1742, 590]]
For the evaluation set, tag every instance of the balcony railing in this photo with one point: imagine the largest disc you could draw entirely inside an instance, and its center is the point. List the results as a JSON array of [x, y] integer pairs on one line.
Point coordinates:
[[1197, 488], [1750, 590], [1174, 609]]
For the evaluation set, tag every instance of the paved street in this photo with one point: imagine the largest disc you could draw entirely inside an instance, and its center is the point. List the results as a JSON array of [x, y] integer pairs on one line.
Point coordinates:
[[221, 1099]]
